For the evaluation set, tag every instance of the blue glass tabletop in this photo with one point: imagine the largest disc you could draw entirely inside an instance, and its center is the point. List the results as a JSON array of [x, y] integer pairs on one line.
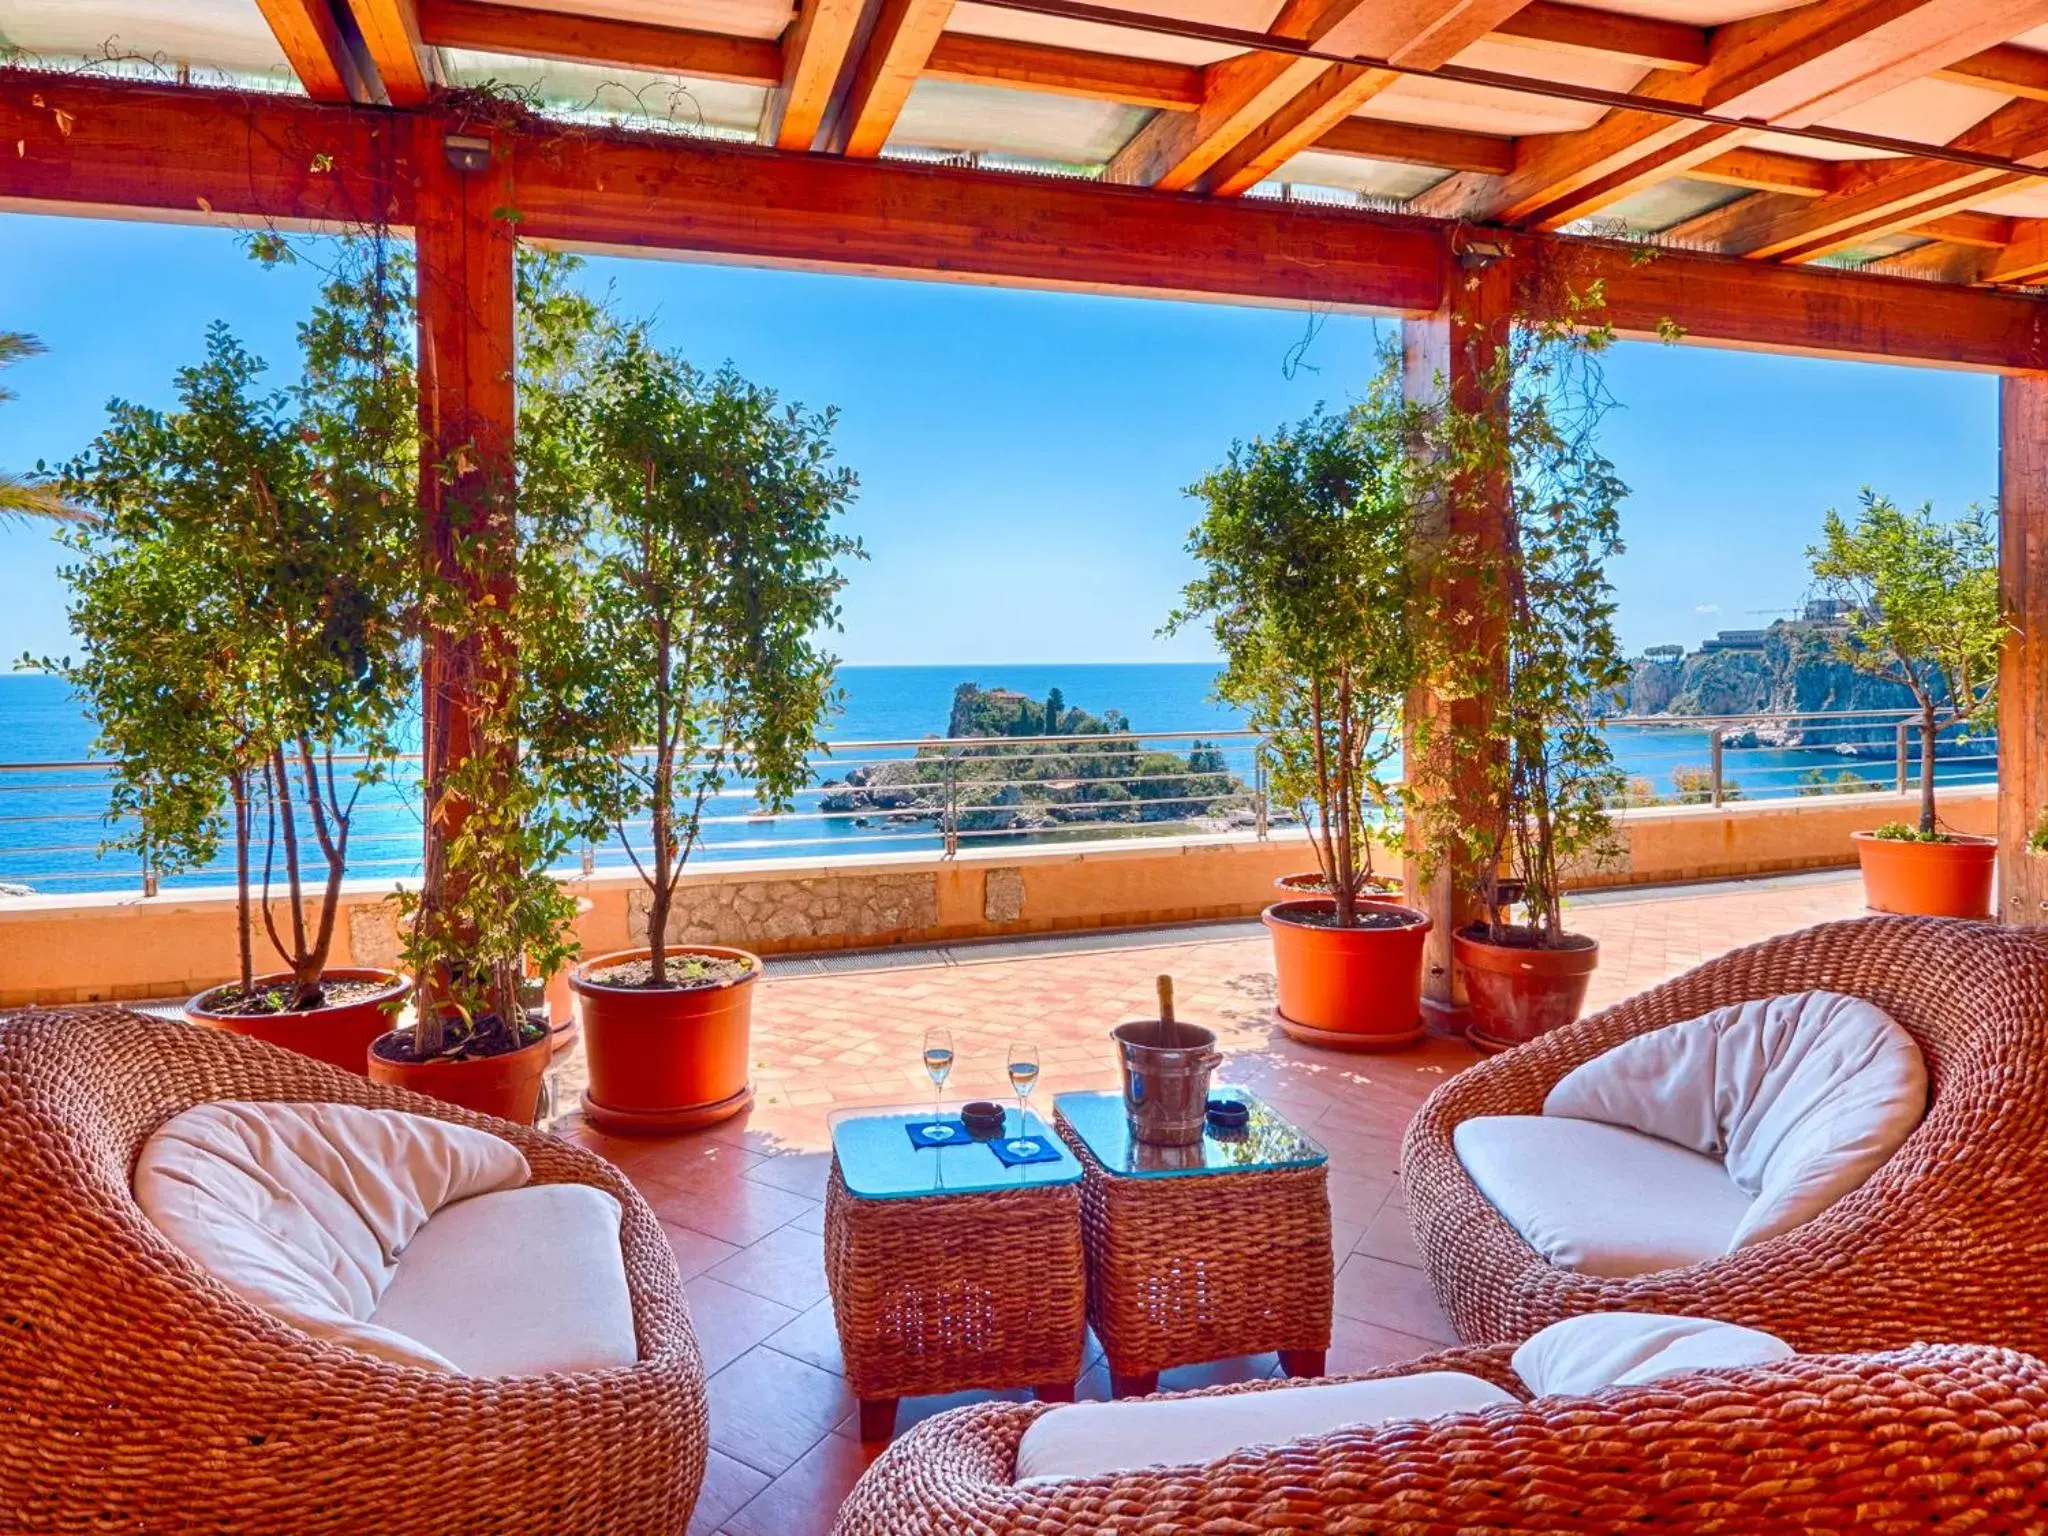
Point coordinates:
[[878, 1162], [1267, 1144]]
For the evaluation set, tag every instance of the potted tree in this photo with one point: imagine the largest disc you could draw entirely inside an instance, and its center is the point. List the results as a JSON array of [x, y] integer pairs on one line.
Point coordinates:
[[489, 919], [685, 657], [1305, 548], [238, 601], [1531, 755], [1922, 610]]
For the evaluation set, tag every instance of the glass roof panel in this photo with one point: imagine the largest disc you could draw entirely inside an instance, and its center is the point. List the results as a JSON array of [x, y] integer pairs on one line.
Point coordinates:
[[601, 94], [211, 42], [950, 115]]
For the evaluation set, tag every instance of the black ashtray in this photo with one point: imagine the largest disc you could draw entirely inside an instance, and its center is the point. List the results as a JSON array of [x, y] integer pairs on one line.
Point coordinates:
[[984, 1120], [1226, 1115]]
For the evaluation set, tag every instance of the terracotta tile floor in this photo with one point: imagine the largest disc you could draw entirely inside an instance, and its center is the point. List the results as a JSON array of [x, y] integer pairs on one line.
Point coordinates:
[[742, 1201]]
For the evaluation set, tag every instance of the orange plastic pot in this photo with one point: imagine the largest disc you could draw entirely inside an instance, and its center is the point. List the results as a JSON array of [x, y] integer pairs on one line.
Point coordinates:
[[1951, 879], [339, 1036], [1516, 993], [665, 1059], [506, 1085], [1356, 989]]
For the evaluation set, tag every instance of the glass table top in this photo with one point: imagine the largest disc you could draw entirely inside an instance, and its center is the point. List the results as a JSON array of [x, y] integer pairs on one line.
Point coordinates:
[[877, 1161], [1269, 1143]]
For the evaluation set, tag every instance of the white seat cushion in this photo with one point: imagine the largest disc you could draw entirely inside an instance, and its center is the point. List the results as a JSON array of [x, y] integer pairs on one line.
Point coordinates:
[[517, 1283], [303, 1209], [1090, 1439], [1626, 1349], [1600, 1199], [1803, 1097]]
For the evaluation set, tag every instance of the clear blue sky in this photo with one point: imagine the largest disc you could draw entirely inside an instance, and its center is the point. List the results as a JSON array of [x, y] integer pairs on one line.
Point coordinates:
[[1021, 454]]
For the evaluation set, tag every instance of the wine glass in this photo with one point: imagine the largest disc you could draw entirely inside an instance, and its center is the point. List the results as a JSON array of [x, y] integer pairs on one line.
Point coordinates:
[[938, 1061], [1023, 1075]]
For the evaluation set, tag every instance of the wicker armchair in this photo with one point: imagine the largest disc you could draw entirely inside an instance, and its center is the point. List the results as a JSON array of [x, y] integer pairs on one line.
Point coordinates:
[[1944, 1243], [138, 1394], [1925, 1439]]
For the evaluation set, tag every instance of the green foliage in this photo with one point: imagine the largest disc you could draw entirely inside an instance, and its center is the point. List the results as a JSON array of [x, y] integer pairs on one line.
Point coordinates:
[[1905, 832], [239, 600], [1306, 586], [1055, 711], [1695, 786], [1521, 735], [1815, 781], [693, 562], [1926, 611], [28, 497]]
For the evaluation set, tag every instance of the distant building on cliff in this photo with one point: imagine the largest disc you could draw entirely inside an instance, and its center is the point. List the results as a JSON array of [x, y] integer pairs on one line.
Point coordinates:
[[1736, 640]]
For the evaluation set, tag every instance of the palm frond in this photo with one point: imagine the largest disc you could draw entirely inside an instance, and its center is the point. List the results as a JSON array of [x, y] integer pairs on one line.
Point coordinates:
[[22, 500]]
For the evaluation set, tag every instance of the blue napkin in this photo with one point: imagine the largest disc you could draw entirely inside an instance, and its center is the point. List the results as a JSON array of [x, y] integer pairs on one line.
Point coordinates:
[[1014, 1150], [939, 1133]]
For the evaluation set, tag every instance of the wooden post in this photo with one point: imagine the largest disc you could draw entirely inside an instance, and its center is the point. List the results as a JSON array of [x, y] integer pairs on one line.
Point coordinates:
[[2023, 667], [465, 296], [1458, 349]]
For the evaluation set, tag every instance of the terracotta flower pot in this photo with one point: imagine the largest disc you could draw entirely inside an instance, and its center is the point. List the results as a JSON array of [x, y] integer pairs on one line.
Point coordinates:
[[1310, 882], [339, 1035], [507, 1085], [664, 1059], [1951, 879], [558, 1000], [1353, 988], [1517, 993]]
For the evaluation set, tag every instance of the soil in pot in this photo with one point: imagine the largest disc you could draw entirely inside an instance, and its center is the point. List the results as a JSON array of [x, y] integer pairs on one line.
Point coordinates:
[[1945, 879], [1356, 988], [1515, 988], [666, 1058], [488, 1073], [355, 1006]]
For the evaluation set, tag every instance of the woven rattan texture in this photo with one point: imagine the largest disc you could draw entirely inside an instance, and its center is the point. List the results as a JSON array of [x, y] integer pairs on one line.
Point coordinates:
[[1942, 1439], [1946, 1242], [139, 1394], [1204, 1266], [941, 1293]]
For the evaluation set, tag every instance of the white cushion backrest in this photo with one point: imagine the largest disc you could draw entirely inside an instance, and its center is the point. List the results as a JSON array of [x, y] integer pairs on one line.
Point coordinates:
[[1803, 1096], [303, 1209], [1625, 1349]]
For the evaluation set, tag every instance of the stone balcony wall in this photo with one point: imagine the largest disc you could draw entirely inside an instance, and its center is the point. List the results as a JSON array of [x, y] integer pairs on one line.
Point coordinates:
[[118, 946]]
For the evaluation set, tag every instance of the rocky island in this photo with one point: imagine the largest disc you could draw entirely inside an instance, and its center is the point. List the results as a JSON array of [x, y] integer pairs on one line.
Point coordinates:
[[1013, 763]]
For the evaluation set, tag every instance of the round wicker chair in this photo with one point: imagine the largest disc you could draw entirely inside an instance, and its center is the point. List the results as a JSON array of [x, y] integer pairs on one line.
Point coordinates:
[[1944, 1243], [138, 1394], [1922, 1440]]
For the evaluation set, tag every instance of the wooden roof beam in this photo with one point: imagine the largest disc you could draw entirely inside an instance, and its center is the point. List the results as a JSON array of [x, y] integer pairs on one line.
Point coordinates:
[[2024, 258], [314, 46], [814, 51], [528, 33], [390, 30], [1879, 197], [1065, 72], [2015, 71], [1370, 138], [1792, 68], [899, 41], [1765, 170], [1579, 29]]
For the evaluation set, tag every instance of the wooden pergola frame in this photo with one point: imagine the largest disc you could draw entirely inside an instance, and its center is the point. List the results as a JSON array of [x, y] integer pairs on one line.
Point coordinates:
[[85, 145]]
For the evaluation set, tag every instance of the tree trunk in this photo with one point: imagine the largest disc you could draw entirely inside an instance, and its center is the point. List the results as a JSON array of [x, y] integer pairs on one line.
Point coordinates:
[[1927, 735], [245, 947], [288, 824]]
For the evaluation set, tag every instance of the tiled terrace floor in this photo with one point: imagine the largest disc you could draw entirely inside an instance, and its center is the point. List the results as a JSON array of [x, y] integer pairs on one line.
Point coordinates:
[[742, 1201]]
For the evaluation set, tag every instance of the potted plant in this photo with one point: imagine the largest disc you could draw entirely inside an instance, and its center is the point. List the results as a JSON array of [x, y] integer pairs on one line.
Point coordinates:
[[1922, 610], [1305, 549], [489, 920], [1528, 763], [684, 656], [237, 598]]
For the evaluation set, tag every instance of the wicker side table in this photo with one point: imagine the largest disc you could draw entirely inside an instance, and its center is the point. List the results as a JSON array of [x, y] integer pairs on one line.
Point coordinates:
[[978, 1284], [1217, 1250]]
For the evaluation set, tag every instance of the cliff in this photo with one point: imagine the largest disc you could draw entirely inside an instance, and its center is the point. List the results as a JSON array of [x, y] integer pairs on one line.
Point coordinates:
[[1796, 672]]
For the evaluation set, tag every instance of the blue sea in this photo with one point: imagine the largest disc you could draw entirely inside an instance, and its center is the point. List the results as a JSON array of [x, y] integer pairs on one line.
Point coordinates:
[[51, 830]]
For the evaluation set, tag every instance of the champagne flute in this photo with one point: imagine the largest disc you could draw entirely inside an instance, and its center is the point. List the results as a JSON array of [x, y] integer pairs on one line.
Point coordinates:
[[938, 1061], [1023, 1075]]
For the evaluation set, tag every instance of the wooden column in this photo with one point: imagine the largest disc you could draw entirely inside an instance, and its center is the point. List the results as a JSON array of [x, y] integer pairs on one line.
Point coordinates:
[[1457, 349], [2023, 668], [465, 297]]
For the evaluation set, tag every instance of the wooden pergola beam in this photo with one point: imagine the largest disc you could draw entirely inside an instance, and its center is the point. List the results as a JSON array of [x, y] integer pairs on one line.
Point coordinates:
[[2016, 71], [899, 41], [1409, 144], [2025, 257], [527, 33], [142, 150], [1765, 170], [814, 50], [312, 42], [1065, 71], [390, 30], [1645, 40]]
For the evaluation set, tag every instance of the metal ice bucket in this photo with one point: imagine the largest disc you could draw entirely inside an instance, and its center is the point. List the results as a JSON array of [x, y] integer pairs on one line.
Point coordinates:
[[1166, 1078]]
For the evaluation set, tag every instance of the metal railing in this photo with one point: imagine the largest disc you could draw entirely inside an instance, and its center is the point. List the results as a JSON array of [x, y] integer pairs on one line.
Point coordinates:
[[944, 794]]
